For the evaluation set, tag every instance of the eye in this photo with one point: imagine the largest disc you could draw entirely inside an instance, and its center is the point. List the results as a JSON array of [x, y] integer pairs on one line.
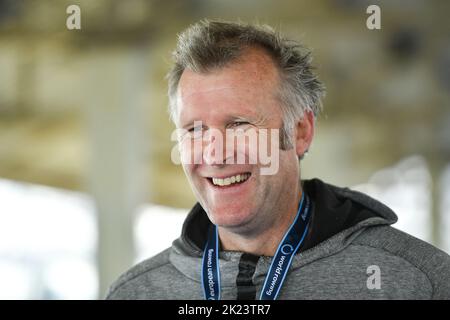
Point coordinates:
[[197, 128], [239, 123], [195, 132]]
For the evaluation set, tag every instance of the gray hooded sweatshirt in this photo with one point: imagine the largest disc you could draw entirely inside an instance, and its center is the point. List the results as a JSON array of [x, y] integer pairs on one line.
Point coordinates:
[[350, 252]]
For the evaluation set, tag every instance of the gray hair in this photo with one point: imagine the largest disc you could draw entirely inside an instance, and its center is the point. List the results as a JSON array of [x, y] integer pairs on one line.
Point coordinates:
[[209, 45]]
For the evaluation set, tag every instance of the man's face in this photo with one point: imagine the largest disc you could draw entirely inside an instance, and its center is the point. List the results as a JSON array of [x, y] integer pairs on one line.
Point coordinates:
[[240, 96]]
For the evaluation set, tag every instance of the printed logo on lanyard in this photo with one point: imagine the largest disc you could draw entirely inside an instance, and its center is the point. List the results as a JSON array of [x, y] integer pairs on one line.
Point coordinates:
[[279, 267]]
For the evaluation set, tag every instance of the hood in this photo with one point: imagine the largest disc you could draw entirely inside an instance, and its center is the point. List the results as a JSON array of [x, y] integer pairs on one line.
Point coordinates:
[[338, 216]]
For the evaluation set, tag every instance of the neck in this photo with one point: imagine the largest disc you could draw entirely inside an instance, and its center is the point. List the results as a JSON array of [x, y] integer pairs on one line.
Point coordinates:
[[263, 242]]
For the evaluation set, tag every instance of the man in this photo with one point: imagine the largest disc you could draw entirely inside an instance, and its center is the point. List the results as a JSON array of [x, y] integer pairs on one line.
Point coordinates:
[[270, 236]]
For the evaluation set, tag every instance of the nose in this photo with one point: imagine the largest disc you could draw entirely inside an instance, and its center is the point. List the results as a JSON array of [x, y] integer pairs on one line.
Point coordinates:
[[214, 153]]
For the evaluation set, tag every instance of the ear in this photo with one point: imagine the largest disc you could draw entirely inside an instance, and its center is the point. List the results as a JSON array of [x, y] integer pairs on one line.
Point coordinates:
[[304, 133]]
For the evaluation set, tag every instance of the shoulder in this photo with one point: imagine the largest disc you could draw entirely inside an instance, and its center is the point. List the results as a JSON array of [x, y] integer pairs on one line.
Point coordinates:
[[432, 262], [147, 266]]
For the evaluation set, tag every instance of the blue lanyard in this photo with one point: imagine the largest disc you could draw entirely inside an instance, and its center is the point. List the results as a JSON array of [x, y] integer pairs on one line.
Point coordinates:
[[279, 267]]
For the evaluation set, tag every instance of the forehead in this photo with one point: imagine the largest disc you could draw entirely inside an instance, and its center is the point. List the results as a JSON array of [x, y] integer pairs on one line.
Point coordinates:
[[245, 85]]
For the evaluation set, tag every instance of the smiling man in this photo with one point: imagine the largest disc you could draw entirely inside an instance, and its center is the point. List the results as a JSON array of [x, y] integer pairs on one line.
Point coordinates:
[[258, 234]]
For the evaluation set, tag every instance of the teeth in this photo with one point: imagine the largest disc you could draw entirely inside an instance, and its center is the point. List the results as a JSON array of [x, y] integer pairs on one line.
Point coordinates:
[[230, 180]]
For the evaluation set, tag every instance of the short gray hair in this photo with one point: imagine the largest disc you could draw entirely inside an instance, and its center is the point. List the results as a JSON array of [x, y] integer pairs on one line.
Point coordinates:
[[209, 45]]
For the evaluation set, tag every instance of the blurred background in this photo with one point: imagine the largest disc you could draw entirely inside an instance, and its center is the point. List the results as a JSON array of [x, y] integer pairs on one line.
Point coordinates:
[[87, 187]]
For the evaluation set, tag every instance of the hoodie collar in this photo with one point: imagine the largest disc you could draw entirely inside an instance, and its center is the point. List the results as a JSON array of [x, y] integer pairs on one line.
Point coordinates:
[[338, 216]]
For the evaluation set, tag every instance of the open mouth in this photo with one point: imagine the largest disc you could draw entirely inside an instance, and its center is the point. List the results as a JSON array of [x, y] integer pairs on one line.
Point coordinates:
[[230, 181]]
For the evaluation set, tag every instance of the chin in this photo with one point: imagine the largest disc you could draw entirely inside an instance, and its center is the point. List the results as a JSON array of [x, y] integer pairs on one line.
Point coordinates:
[[230, 218]]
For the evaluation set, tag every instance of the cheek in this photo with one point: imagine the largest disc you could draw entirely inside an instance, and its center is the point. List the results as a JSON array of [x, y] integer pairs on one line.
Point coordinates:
[[245, 147], [289, 164], [188, 170], [190, 151], [242, 153], [258, 146], [195, 181]]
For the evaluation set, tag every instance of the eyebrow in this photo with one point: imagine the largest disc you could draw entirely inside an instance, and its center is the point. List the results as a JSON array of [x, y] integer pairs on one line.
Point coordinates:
[[256, 120]]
